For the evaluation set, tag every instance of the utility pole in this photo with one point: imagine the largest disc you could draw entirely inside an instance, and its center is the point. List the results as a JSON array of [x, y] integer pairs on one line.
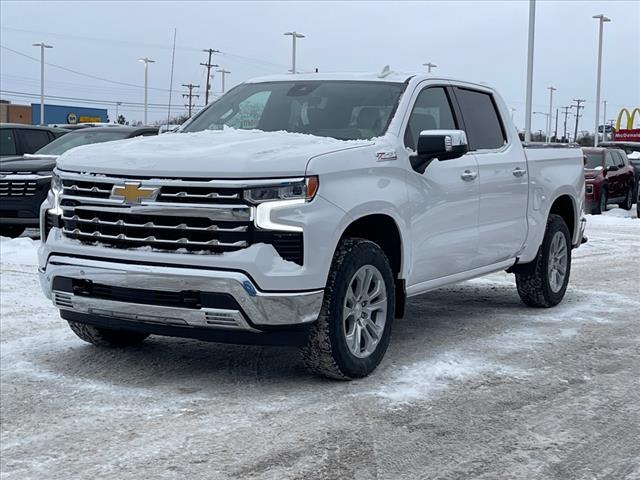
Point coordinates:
[[566, 112], [429, 66], [117, 105], [294, 35], [191, 95], [550, 118], [42, 46], [601, 20], [146, 62], [577, 107], [528, 108], [223, 72], [555, 135], [210, 51]]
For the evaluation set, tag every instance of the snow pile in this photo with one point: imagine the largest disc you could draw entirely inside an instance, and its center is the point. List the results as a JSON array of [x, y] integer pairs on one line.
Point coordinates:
[[19, 251]]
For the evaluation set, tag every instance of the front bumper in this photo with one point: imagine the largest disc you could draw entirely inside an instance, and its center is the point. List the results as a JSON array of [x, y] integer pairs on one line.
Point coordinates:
[[140, 294]]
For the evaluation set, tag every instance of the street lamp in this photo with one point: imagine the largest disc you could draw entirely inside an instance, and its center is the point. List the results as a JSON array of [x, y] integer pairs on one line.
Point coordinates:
[[548, 122], [223, 72], [42, 46], [146, 62], [528, 105], [429, 66], [601, 20], [551, 90], [294, 35]]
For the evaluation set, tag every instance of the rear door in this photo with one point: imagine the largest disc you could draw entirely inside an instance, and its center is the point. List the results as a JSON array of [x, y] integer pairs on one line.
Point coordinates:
[[504, 181], [613, 176]]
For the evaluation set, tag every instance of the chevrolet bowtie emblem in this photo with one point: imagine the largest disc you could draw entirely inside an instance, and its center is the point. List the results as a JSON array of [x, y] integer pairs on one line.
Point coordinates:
[[133, 193]]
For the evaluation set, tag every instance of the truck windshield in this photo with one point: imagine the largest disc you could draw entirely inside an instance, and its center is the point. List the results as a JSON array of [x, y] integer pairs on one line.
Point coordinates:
[[594, 160], [85, 136], [346, 110]]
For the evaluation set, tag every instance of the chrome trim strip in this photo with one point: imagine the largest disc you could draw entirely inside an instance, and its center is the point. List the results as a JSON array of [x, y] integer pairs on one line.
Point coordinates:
[[152, 239], [229, 213], [182, 226], [197, 195], [23, 176], [262, 308]]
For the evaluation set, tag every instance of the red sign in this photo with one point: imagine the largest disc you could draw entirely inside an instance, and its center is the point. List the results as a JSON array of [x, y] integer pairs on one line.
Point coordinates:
[[627, 135]]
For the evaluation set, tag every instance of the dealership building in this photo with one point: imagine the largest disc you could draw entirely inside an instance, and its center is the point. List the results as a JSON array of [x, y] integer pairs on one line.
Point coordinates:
[[53, 114]]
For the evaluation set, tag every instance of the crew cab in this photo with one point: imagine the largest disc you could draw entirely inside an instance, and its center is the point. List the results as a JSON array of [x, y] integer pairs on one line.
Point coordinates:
[[609, 178], [305, 210], [25, 180]]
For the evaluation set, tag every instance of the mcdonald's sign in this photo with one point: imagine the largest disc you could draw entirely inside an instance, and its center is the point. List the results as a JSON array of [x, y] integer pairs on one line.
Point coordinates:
[[626, 132]]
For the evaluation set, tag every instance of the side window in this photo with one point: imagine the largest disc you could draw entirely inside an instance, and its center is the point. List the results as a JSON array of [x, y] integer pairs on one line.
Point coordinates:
[[481, 119], [7, 142], [432, 111], [621, 158], [249, 112], [33, 140], [610, 162]]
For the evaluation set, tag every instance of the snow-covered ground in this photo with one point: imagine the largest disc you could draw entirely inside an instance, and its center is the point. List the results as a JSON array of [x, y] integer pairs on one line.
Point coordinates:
[[475, 385]]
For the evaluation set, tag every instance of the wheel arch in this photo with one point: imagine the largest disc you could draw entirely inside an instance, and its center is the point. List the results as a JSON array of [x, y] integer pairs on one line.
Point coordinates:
[[565, 207]]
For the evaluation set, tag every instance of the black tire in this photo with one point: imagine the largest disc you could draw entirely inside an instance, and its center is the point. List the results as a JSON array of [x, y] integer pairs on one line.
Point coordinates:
[[628, 200], [326, 352], [532, 279], [601, 206], [103, 337], [11, 231]]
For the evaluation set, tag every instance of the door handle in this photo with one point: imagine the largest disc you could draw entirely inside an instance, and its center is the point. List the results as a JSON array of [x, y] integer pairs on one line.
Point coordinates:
[[518, 172], [468, 175]]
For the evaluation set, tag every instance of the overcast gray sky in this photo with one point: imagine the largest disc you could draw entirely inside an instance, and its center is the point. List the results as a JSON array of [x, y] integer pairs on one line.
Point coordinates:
[[482, 41]]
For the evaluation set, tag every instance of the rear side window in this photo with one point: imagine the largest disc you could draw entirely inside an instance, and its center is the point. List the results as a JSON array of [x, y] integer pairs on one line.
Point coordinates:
[[7, 142], [34, 140], [432, 111], [610, 162], [622, 158], [481, 119]]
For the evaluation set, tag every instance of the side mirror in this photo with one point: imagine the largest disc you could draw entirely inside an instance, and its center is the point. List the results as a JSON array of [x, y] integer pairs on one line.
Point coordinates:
[[612, 168], [440, 144]]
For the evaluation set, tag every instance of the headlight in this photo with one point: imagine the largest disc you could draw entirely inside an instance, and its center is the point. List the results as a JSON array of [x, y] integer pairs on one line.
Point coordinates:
[[304, 190], [44, 174], [56, 191]]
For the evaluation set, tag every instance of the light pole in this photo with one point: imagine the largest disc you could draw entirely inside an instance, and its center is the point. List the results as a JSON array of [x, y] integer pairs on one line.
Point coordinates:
[[551, 90], [223, 72], [429, 66], [117, 105], [294, 35], [527, 114], [146, 62], [547, 124], [601, 20], [604, 121], [42, 46]]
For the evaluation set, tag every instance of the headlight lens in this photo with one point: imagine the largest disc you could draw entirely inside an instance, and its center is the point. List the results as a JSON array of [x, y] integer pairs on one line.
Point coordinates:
[[56, 191], [56, 184], [306, 189]]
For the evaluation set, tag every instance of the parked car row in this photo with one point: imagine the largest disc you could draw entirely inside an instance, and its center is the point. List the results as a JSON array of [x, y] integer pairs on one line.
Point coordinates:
[[25, 179], [610, 178]]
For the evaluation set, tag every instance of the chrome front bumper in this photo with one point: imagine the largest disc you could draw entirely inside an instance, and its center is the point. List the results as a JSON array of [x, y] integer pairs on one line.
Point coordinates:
[[256, 309]]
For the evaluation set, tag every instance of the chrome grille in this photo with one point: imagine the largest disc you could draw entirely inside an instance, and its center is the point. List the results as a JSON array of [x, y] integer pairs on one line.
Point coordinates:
[[17, 188]]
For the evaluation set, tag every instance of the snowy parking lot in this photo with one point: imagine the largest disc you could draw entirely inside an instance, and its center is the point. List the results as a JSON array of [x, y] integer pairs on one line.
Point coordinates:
[[474, 385]]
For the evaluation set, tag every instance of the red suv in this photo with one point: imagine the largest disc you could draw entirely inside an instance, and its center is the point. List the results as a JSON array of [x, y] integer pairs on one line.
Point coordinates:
[[609, 178]]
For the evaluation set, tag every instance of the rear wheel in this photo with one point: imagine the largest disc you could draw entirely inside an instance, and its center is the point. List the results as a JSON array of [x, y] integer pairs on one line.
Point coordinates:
[[11, 231], [628, 200], [103, 337], [353, 330], [543, 282]]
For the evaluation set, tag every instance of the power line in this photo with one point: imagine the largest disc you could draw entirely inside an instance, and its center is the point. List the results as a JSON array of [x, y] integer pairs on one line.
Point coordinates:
[[190, 95], [82, 100]]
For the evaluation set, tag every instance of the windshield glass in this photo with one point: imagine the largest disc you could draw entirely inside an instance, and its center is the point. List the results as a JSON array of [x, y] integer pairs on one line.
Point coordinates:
[[339, 109], [594, 160], [80, 137]]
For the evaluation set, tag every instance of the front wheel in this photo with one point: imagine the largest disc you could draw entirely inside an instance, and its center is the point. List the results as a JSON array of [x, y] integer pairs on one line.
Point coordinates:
[[353, 330], [543, 282], [11, 231], [601, 206]]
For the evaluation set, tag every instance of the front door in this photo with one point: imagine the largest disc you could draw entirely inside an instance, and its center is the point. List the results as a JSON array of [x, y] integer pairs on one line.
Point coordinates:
[[444, 199]]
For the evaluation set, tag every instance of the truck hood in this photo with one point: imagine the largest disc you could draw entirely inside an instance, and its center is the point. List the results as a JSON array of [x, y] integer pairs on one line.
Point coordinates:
[[28, 163], [225, 153]]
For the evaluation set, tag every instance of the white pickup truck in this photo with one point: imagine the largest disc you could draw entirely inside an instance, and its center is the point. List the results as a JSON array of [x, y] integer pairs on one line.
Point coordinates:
[[305, 210]]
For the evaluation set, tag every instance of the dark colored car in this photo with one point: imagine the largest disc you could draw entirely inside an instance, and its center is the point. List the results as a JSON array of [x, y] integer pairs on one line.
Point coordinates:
[[632, 149], [609, 178], [25, 180], [18, 139]]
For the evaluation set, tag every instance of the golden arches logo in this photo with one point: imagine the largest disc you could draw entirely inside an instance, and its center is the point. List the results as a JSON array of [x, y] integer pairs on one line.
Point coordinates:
[[630, 117]]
